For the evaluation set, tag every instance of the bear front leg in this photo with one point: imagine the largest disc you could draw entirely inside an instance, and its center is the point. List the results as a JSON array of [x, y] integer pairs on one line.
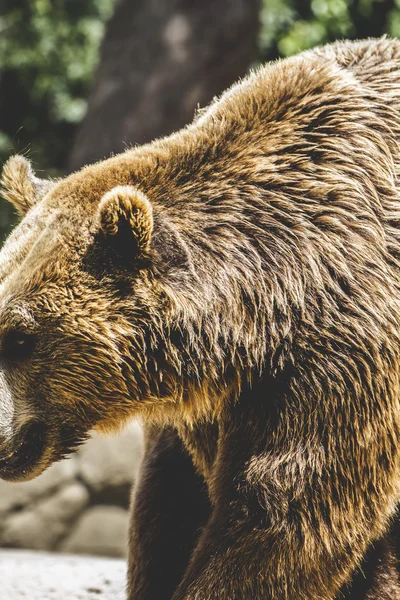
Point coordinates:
[[169, 506], [290, 518]]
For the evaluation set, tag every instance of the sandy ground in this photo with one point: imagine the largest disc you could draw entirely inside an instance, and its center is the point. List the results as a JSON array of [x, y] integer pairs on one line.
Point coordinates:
[[40, 576]]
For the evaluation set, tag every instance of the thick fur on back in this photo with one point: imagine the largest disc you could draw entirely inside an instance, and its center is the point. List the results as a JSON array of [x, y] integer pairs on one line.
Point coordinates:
[[257, 314]]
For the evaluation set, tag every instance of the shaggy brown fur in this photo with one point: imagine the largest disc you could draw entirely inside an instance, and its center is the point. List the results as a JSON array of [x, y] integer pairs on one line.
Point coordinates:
[[239, 284]]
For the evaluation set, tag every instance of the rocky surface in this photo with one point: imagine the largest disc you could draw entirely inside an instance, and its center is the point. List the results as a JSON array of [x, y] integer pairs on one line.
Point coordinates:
[[41, 576], [78, 505], [110, 539]]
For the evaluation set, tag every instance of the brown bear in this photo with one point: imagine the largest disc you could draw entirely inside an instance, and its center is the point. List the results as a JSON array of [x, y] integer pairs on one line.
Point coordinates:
[[236, 286]]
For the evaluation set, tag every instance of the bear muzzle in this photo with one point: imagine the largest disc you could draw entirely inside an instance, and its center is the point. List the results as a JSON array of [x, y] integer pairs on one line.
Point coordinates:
[[18, 460]]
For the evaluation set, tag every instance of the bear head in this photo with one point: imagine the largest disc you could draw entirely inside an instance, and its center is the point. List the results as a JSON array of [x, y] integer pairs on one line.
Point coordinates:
[[84, 306]]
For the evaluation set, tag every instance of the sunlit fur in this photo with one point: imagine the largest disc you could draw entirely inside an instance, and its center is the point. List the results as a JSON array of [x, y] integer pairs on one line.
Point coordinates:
[[246, 294], [21, 186]]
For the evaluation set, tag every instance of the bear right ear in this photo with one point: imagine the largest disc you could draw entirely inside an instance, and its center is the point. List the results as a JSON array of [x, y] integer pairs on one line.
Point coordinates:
[[126, 218], [20, 186]]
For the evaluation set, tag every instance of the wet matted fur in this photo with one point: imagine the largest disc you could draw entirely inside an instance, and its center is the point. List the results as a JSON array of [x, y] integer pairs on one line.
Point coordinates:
[[237, 287]]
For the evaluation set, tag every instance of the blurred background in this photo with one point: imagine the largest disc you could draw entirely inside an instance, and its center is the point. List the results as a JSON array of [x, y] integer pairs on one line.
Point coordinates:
[[80, 79]]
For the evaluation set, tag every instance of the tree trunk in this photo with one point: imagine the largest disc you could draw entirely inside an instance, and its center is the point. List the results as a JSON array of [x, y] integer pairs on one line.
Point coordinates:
[[161, 59]]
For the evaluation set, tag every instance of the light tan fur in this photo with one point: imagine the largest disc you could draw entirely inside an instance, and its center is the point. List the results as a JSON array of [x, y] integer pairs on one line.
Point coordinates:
[[19, 184]]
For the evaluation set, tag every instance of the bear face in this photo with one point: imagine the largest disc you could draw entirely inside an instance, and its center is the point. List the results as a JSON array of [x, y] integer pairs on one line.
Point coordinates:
[[100, 310], [74, 353]]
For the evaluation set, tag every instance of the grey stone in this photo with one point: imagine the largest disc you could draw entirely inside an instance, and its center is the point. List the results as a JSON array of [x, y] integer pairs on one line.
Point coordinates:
[[42, 513], [112, 461], [102, 530], [42, 576], [41, 527], [17, 495]]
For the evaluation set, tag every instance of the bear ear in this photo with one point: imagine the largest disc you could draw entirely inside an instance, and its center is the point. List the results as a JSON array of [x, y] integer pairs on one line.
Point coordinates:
[[126, 218], [20, 186]]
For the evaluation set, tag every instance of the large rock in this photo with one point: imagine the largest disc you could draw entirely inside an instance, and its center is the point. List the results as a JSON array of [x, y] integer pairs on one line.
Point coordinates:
[[44, 525], [79, 504], [14, 496], [112, 461], [102, 530], [40, 576]]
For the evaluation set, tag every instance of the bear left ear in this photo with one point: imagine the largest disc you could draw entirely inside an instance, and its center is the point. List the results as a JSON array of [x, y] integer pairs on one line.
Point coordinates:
[[20, 186], [126, 217]]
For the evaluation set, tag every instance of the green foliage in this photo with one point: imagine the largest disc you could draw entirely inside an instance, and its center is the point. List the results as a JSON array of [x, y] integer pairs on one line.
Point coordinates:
[[48, 53], [289, 26]]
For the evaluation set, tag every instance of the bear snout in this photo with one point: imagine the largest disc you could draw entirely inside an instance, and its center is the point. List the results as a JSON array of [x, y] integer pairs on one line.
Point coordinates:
[[19, 457]]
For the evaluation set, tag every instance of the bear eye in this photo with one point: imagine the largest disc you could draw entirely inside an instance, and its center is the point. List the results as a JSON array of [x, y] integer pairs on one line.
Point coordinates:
[[18, 345]]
